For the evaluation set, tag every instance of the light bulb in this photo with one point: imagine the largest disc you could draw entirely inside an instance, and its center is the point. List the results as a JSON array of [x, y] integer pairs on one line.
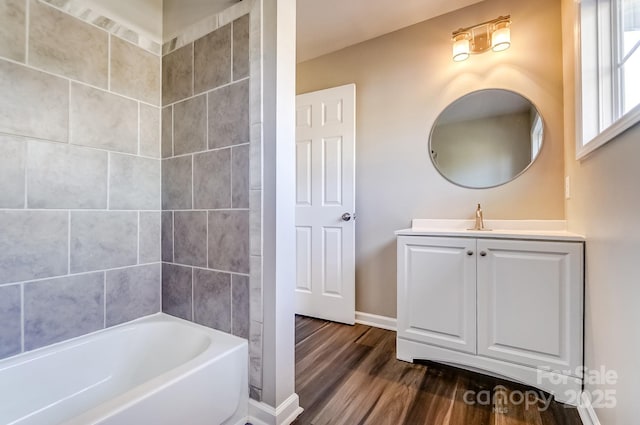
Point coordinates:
[[501, 37], [460, 47]]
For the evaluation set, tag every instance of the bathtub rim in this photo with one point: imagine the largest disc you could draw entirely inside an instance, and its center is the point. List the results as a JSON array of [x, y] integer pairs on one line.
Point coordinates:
[[150, 387]]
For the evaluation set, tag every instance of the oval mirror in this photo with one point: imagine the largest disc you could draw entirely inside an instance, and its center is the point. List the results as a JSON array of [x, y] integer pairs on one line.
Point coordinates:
[[486, 138]]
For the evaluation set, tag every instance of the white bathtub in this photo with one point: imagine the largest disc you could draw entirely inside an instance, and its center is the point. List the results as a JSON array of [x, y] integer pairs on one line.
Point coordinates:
[[157, 370]]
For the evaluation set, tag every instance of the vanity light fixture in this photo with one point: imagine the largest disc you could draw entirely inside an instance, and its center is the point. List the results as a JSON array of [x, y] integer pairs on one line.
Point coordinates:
[[491, 35]]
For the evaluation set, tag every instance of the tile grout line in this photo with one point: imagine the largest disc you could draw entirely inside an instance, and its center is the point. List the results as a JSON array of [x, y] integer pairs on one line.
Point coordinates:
[[22, 318], [231, 303], [139, 125], [104, 300], [68, 242], [41, 140], [108, 181], [84, 83], [193, 301], [193, 184], [173, 237], [42, 279], [138, 246], [26, 174], [182, 155], [208, 91], [69, 134], [86, 210]]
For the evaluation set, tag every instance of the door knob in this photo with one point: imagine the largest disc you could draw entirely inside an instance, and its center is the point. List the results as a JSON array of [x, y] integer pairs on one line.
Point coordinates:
[[346, 217], [483, 254], [469, 252]]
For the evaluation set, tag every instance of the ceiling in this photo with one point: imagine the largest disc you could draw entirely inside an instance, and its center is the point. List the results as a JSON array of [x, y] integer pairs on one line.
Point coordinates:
[[325, 26]]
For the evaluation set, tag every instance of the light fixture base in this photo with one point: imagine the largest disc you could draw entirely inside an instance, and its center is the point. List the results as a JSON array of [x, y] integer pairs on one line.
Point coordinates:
[[491, 35]]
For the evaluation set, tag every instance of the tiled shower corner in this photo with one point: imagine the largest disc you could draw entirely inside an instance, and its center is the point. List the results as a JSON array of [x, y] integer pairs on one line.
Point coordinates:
[[211, 172]]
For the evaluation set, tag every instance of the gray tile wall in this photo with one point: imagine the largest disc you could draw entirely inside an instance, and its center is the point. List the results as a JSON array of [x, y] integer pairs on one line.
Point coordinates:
[[205, 180], [80, 175]]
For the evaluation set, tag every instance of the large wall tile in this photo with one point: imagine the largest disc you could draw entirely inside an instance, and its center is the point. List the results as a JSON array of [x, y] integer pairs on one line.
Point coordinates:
[[176, 183], [10, 321], [190, 126], [149, 249], [134, 183], [212, 299], [63, 176], [229, 115], [103, 120], [177, 291], [103, 240], [13, 153], [63, 308], [240, 177], [167, 236], [190, 238], [33, 103], [212, 179], [12, 30], [167, 132], [132, 293], [149, 131], [33, 245], [134, 71], [62, 44], [229, 241], [212, 59], [240, 300], [177, 75], [241, 47]]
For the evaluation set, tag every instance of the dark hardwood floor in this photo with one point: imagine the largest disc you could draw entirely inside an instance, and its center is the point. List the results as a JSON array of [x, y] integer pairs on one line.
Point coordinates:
[[349, 375]]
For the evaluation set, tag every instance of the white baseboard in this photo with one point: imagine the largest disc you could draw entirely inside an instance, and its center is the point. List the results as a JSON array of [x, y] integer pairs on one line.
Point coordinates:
[[382, 322], [586, 411], [263, 414]]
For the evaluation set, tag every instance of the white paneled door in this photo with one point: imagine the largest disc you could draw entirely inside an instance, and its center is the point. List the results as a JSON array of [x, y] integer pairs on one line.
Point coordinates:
[[325, 204]]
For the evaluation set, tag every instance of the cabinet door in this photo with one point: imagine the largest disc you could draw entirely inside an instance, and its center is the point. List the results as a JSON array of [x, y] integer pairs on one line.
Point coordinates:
[[437, 291], [530, 302]]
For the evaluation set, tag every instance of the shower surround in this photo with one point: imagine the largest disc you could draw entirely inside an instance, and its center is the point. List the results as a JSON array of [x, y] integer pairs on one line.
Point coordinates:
[[130, 182], [79, 178]]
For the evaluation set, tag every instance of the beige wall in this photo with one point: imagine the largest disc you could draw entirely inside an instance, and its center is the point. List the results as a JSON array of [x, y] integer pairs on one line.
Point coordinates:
[[404, 80], [605, 207]]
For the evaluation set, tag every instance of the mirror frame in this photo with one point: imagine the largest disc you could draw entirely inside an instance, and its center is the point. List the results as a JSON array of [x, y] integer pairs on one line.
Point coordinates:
[[542, 144]]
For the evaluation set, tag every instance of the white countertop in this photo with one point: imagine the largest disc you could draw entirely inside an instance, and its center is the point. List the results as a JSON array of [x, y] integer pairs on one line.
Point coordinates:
[[500, 229]]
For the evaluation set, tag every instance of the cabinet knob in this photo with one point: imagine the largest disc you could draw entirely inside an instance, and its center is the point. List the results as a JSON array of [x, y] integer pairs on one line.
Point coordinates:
[[469, 252], [483, 254]]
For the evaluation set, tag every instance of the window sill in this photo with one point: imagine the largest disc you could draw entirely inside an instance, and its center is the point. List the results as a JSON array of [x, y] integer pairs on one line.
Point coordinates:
[[624, 123]]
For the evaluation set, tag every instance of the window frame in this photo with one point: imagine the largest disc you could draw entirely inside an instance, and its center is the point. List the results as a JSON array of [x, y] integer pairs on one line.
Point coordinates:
[[607, 77]]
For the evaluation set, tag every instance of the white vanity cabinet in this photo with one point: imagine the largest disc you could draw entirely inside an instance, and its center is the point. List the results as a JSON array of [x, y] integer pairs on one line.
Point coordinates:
[[510, 307]]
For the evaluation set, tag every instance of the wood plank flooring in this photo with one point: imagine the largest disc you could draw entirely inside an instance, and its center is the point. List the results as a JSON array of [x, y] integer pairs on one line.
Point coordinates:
[[349, 375]]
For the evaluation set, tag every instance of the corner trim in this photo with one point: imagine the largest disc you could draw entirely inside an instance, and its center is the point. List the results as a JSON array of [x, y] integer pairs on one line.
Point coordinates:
[[261, 413], [586, 411], [382, 322]]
